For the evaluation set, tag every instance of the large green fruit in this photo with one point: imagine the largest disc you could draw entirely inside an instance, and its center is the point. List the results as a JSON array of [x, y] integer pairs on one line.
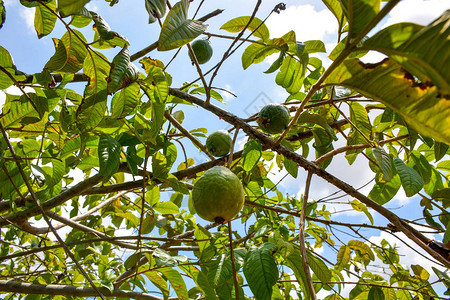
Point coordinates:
[[218, 195], [219, 143], [203, 50], [273, 118]]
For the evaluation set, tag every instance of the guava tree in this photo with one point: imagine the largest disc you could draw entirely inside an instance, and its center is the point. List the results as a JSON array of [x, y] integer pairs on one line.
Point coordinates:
[[79, 164]]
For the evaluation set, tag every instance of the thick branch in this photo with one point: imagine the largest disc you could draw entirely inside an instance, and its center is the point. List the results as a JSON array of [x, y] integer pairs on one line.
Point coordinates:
[[10, 286]]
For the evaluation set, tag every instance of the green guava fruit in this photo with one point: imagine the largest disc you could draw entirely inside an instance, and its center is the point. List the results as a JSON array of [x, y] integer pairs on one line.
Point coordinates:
[[203, 50], [273, 118], [218, 195], [219, 143]]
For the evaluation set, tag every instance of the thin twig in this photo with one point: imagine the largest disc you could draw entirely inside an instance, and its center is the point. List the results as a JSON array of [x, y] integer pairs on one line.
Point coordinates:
[[187, 134], [301, 237]]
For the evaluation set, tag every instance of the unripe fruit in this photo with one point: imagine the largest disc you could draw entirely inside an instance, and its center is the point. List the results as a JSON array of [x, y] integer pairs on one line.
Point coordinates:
[[219, 143], [218, 195], [203, 50], [273, 118]]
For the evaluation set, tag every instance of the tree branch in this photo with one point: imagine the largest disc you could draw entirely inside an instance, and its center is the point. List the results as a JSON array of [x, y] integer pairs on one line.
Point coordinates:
[[11, 286]]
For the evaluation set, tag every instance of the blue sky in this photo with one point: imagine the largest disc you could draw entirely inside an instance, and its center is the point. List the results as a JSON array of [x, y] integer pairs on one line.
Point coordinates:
[[253, 88]]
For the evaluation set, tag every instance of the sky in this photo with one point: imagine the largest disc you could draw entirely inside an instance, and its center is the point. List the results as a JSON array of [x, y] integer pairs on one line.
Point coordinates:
[[309, 19]]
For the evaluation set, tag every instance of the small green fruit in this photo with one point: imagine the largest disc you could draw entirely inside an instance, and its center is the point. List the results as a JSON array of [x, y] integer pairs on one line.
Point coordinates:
[[218, 195], [273, 118], [219, 143], [203, 50]]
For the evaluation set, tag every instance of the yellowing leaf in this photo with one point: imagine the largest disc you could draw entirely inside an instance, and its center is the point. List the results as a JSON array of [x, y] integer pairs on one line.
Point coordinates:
[[421, 105]]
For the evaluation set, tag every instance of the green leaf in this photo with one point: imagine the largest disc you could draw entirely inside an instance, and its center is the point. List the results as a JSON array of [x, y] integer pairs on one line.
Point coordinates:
[[363, 250], [440, 150], [108, 155], [166, 208], [19, 111], [290, 75], [38, 174], [442, 195], [343, 257], [319, 268], [201, 280], [294, 261], [7, 62], [314, 46], [383, 192], [251, 155], [360, 118], [165, 259], [358, 206], [176, 281], [156, 9], [375, 293], [69, 7], [307, 117], [359, 14], [291, 166], [443, 275], [220, 270], [44, 19], [384, 160], [81, 19], [92, 110], [336, 8], [444, 165], [256, 53], [177, 30], [31, 3], [276, 64], [58, 170], [435, 182], [123, 72], [421, 165], [261, 271], [159, 282], [2, 14], [323, 143], [418, 49], [411, 181], [201, 90], [125, 101], [70, 53], [423, 107], [108, 38], [258, 28]]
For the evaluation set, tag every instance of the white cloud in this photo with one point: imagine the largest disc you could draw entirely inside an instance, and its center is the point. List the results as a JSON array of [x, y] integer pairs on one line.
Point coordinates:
[[27, 14], [91, 6], [418, 11], [303, 19]]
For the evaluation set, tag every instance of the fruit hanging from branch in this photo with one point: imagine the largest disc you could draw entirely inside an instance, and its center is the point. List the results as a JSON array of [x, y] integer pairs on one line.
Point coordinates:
[[219, 143], [218, 195], [273, 118], [203, 51]]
